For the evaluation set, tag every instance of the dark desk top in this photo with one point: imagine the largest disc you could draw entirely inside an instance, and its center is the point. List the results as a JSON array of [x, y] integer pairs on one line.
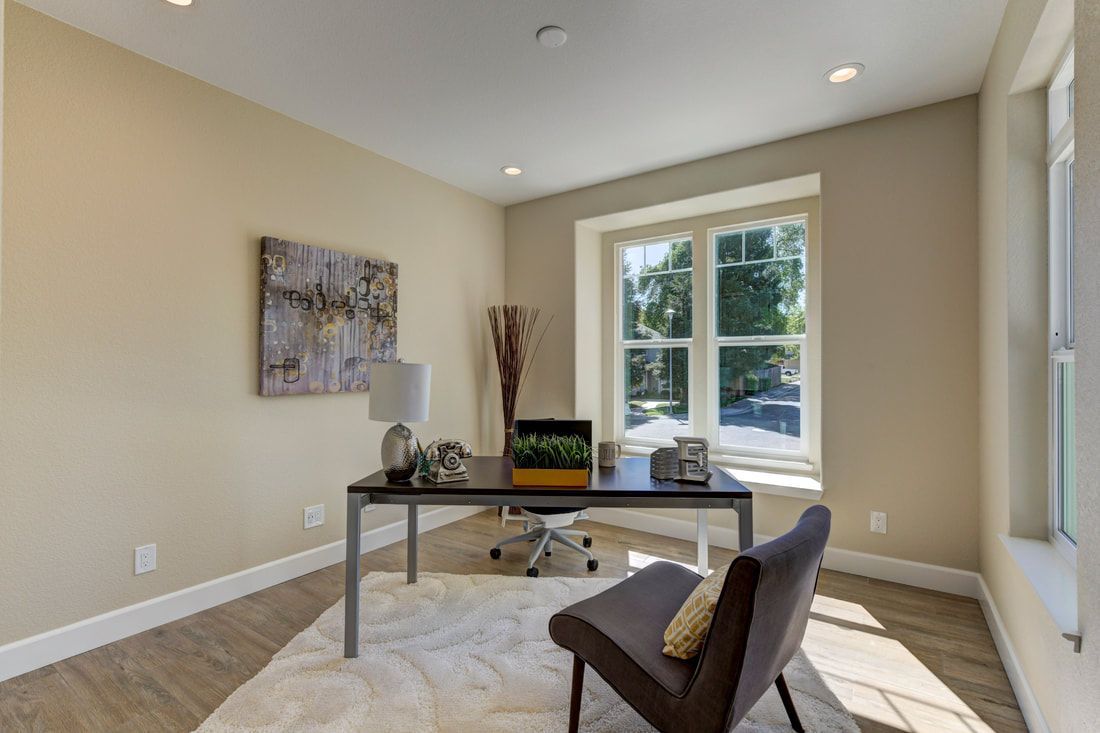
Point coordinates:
[[492, 475]]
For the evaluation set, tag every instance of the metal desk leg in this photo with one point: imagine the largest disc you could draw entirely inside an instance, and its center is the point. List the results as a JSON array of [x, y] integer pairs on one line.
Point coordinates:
[[702, 542], [744, 523], [351, 577], [410, 561]]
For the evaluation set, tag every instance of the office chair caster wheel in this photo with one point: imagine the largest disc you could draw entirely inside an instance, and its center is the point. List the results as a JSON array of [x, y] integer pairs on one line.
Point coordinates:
[[495, 553], [532, 572], [548, 553], [593, 564], [587, 542]]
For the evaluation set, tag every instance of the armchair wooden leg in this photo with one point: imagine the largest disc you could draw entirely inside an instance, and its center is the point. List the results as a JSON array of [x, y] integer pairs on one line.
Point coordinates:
[[575, 695], [788, 703]]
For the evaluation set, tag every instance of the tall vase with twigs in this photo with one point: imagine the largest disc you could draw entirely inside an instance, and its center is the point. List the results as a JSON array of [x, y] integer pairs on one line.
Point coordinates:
[[516, 338]]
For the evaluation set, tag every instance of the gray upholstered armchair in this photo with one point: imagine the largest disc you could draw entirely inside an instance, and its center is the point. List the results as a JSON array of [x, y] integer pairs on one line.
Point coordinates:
[[758, 624]]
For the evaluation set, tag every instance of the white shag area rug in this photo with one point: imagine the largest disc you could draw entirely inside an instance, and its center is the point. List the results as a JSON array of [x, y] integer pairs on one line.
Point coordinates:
[[462, 653]]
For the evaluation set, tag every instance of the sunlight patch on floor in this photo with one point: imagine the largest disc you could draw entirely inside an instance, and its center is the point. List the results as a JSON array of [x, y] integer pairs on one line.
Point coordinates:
[[638, 560], [877, 678], [873, 675], [846, 611]]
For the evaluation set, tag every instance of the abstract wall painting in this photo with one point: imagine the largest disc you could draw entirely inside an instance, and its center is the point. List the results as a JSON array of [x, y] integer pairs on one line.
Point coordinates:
[[325, 317]]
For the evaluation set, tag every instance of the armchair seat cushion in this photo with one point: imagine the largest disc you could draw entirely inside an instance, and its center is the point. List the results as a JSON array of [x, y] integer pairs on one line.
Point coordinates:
[[620, 632]]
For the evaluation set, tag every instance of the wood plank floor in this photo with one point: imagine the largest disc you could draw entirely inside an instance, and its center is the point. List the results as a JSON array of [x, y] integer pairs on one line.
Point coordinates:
[[899, 658]]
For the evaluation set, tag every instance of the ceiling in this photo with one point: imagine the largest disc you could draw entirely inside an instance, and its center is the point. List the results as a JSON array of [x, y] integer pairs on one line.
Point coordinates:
[[459, 88]]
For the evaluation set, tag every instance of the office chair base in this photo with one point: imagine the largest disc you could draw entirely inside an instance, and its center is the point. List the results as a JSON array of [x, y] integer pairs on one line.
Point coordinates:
[[542, 537]]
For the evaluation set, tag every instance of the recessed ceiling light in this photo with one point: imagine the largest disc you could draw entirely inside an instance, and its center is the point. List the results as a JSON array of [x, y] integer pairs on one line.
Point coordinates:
[[843, 73], [511, 170], [182, 3], [551, 36]]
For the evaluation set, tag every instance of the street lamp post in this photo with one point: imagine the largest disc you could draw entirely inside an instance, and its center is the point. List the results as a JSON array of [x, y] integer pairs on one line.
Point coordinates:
[[670, 312]]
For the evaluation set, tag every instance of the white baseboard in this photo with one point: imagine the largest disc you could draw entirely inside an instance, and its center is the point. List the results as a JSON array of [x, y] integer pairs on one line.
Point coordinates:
[[907, 572], [1025, 696], [28, 654], [681, 529]]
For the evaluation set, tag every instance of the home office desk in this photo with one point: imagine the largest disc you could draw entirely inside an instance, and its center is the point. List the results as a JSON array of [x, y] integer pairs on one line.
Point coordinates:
[[490, 484]]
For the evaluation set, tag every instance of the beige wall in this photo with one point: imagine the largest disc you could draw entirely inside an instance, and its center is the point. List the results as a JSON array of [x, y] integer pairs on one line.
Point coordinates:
[[899, 307], [134, 200], [1013, 428], [1084, 675], [1012, 188]]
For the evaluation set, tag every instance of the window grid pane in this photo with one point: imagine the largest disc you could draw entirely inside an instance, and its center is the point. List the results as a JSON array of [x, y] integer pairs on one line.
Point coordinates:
[[760, 397], [656, 382], [730, 248], [656, 290], [1071, 326], [765, 293], [1065, 449]]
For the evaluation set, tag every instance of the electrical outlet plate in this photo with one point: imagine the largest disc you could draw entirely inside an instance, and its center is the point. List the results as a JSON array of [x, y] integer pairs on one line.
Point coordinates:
[[314, 516], [145, 559], [878, 522]]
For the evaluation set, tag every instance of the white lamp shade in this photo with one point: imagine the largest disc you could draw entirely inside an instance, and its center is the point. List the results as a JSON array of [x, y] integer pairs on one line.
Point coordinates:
[[399, 392]]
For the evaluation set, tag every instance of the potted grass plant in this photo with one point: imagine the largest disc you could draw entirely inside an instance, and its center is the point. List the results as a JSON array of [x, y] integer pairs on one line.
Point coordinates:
[[550, 460]]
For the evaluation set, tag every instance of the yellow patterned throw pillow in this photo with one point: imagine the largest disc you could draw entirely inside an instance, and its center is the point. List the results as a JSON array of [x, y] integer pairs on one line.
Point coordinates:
[[685, 633]]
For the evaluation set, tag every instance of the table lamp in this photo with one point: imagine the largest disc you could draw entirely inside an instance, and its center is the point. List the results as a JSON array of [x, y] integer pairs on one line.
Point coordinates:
[[399, 393]]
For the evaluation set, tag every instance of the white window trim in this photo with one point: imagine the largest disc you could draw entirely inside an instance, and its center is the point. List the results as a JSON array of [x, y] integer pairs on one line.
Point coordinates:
[[704, 344], [1060, 155], [621, 344], [764, 458]]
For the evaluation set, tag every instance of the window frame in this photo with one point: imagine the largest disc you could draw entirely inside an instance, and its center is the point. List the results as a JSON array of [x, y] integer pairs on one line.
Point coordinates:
[[702, 348], [622, 344], [1062, 327], [716, 342]]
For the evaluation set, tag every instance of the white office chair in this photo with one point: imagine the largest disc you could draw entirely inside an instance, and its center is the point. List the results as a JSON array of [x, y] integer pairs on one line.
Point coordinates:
[[544, 525]]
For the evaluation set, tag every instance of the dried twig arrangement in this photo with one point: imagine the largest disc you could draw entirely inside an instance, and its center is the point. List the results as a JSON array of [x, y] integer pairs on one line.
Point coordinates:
[[514, 328]]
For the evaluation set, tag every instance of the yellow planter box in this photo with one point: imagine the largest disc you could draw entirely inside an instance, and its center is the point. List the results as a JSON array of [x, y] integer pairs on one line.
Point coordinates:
[[549, 477]]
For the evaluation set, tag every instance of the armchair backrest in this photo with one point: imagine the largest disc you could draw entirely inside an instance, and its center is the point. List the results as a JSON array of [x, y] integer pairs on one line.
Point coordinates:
[[761, 617]]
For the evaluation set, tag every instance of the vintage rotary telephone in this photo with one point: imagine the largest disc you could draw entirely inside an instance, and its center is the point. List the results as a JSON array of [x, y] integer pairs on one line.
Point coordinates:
[[443, 461]]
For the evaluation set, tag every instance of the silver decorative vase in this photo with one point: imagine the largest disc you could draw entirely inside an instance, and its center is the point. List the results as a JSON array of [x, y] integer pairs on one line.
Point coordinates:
[[400, 453]]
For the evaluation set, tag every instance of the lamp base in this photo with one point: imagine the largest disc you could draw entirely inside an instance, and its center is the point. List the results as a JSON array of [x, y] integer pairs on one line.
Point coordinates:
[[400, 453]]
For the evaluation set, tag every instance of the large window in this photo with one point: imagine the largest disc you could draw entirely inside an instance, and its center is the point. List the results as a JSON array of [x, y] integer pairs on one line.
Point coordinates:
[[760, 330], [655, 294], [1063, 339], [712, 339]]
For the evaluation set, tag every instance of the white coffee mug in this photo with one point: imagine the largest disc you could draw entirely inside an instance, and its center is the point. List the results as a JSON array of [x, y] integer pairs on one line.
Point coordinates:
[[609, 452]]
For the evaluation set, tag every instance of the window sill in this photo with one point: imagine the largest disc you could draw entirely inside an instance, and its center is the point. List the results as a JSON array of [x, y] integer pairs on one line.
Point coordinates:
[[796, 483], [1052, 577]]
